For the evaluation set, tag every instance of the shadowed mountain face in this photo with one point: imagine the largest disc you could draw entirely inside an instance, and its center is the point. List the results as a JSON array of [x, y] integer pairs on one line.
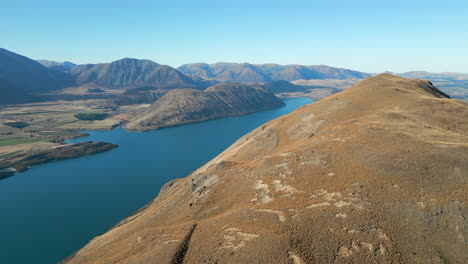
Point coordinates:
[[182, 106], [133, 73], [21, 77], [65, 66], [245, 72], [12, 95], [374, 174]]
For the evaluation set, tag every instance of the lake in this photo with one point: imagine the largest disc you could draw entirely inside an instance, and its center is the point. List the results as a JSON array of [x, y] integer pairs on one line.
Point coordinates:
[[54, 209]]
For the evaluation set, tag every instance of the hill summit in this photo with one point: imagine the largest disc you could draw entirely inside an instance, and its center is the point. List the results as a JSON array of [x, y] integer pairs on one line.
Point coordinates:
[[374, 174]]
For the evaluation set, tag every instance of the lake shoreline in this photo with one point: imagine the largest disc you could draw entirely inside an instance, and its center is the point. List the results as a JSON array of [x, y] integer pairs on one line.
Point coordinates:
[[22, 161], [56, 208]]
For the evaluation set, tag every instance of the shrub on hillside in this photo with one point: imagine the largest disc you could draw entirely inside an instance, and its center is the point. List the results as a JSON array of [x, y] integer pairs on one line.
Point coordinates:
[[91, 116]]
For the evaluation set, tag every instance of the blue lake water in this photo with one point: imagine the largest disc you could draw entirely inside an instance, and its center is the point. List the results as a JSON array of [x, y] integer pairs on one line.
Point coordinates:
[[52, 210]]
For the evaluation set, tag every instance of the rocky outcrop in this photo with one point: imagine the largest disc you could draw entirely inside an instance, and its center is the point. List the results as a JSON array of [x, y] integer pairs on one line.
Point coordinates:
[[374, 174], [183, 106], [22, 161]]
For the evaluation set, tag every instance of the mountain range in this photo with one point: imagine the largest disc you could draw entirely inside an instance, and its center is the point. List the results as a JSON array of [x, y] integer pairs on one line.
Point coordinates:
[[246, 72], [374, 174], [133, 73], [23, 79]]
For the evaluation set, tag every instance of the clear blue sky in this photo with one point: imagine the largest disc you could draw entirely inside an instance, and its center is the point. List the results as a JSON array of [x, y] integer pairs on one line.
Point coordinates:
[[372, 36]]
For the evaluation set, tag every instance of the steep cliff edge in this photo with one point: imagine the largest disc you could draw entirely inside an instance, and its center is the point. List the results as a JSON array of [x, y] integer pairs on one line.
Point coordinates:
[[183, 106], [375, 174]]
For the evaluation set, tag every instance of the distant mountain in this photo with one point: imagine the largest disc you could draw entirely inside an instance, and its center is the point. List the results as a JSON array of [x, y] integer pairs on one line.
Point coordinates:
[[132, 73], [65, 66], [246, 72], [435, 76], [455, 84], [21, 78], [182, 106]]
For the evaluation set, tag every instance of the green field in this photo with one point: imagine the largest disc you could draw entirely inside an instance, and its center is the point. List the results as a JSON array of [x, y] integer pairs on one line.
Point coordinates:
[[91, 116], [20, 140], [49, 122]]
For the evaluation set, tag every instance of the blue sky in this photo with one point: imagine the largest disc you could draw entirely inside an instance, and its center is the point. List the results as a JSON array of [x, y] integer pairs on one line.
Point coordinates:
[[372, 36]]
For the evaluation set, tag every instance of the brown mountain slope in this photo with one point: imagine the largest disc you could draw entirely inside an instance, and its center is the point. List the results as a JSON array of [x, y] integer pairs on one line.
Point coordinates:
[[183, 106], [375, 174]]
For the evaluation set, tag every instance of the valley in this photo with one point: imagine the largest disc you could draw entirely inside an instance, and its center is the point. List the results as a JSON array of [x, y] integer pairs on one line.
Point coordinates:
[[143, 95], [54, 209], [106, 101]]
